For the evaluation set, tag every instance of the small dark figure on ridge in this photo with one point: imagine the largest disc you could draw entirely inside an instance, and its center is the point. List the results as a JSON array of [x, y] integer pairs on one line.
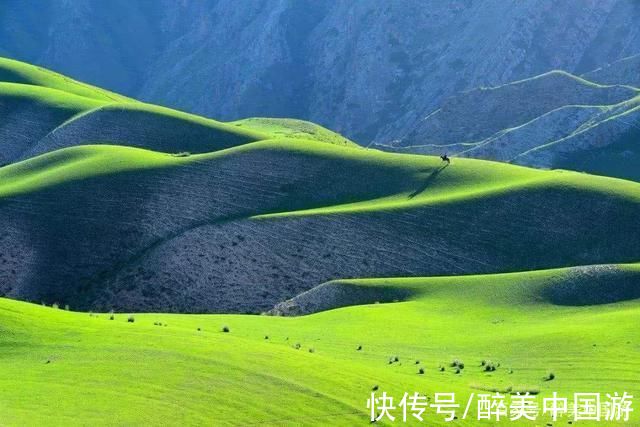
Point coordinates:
[[445, 158]]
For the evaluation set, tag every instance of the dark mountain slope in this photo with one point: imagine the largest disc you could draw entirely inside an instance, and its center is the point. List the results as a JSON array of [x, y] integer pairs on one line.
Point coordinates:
[[555, 120], [624, 71], [475, 115]]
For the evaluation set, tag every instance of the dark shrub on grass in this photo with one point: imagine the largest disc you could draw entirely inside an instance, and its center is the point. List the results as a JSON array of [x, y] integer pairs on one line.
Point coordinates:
[[375, 387], [456, 363], [550, 376], [311, 350], [359, 348], [297, 346], [226, 329], [131, 319], [421, 371], [441, 368], [111, 315], [489, 366], [266, 337]]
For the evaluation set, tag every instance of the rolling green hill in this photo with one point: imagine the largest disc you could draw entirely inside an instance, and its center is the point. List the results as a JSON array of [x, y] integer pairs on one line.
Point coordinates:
[[12, 71], [43, 111], [119, 227], [219, 217], [108, 203]]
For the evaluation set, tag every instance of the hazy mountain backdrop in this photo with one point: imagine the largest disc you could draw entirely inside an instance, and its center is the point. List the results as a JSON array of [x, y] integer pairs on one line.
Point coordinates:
[[372, 70]]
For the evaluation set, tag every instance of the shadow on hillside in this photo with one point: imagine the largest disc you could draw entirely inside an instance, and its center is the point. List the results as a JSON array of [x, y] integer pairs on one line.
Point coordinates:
[[428, 180]]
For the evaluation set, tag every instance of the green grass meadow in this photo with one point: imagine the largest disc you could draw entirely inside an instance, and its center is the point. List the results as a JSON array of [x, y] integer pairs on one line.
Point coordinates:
[[61, 367]]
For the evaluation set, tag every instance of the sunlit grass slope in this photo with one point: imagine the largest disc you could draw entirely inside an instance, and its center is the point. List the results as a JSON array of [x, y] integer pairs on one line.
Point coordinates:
[[292, 128], [43, 111], [73, 368], [13, 71]]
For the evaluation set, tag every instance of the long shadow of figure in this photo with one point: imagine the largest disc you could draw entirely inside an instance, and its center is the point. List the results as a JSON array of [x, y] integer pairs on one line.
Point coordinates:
[[432, 176]]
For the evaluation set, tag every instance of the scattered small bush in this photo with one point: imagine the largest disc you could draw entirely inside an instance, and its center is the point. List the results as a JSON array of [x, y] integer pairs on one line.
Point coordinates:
[[131, 319], [489, 366], [417, 362], [441, 368], [421, 371], [297, 346], [312, 350], [550, 376], [396, 359], [457, 370], [199, 329], [266, 337], [375, 387], [359, 348], [226, 329], [111, 315], [456, 363]]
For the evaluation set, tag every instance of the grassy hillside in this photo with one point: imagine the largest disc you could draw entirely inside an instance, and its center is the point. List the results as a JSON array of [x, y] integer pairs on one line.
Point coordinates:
[[43, 111], [292, 128], [323, 211], [12, 71], [77, 368]]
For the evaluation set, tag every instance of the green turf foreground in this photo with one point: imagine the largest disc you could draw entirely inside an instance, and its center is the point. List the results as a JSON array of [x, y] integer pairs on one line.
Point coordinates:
[[67, 368]]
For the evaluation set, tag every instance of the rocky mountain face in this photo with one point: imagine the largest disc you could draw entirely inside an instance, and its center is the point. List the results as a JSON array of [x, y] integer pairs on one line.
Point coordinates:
[[554, 120], [371, 70]]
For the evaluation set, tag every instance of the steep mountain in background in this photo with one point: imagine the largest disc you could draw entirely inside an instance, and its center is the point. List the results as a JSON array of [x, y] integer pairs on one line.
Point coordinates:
[[480, 113], [554, 120], [370, 70], [108, 202], [624, 71]]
